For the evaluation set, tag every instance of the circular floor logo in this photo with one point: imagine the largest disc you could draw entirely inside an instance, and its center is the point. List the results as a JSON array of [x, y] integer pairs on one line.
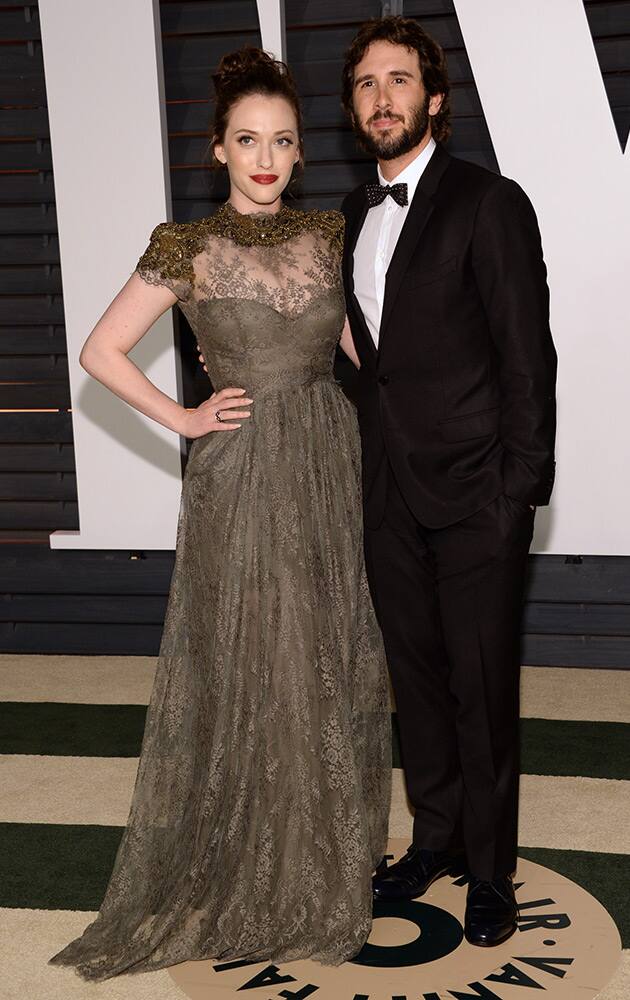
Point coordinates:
[[566, 944]]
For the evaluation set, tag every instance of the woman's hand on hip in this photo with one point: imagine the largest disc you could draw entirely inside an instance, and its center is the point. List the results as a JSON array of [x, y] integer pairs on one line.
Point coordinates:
[[217, 413]]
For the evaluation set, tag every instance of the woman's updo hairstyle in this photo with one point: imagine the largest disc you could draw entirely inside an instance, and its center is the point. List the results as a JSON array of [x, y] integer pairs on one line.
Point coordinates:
[[247, 71]]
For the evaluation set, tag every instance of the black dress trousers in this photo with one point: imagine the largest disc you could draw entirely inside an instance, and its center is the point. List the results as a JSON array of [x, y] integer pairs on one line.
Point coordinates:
[[449, 603]]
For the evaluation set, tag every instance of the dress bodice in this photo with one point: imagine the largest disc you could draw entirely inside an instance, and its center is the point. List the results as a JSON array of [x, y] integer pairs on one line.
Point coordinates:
[[262, 292]]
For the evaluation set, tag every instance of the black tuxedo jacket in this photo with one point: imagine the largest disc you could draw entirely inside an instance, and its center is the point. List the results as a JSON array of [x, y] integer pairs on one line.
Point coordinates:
[[460, 395]]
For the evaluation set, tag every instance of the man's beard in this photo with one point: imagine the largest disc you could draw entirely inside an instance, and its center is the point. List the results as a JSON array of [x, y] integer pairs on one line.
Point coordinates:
[[385, 147]]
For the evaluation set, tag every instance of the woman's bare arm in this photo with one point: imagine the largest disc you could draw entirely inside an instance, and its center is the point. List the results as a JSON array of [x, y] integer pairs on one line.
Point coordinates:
[[347, 345], [104, 356]]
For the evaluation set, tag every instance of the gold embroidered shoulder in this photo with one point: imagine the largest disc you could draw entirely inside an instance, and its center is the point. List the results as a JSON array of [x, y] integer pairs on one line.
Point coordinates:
[[168, 259]]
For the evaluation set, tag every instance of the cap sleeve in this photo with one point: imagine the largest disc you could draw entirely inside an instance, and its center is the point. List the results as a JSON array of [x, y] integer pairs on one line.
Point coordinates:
[[168, 259]]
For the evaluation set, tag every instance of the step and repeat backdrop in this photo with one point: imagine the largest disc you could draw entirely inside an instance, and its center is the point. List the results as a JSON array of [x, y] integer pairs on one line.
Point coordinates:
[[530, 101], [105, 113]]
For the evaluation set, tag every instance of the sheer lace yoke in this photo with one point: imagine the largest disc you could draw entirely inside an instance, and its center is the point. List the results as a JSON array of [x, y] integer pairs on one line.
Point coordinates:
[[287, 277]]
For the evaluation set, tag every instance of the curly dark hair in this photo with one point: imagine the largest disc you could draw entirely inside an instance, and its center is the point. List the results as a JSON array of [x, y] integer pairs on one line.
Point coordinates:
[[403, 31], [246, 71]]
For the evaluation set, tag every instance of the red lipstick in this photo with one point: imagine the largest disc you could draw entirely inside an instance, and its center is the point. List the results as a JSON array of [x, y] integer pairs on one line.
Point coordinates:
[[264, 178]]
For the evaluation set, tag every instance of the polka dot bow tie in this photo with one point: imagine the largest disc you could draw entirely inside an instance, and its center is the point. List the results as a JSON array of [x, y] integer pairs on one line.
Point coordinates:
[[377, 193]]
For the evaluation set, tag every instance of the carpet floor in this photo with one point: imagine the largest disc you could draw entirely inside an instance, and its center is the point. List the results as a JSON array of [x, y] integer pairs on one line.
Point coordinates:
[[70, 735]]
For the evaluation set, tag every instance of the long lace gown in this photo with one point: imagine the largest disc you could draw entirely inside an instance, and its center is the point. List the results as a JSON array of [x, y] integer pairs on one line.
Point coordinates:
[[262, 797]]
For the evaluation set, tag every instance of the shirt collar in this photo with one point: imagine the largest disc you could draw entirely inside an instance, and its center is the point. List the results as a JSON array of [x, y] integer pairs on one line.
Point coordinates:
[[412, 172]]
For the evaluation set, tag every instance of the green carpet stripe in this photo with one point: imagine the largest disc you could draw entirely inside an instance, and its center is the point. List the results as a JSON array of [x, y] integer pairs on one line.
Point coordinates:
[[71, 730], [49, 866], [584, 749], [551, 747], [605, 876], [57, 867], [558, 747]]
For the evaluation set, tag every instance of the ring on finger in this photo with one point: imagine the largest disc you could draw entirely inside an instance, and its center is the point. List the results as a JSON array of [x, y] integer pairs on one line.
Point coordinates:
[[218, 417]]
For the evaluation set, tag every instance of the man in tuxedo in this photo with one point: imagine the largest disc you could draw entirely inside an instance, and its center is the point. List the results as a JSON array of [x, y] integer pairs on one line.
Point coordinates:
[[449, 310]]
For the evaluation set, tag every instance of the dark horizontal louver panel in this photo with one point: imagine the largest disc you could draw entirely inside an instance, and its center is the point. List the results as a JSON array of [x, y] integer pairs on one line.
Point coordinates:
[[211, 16], [69, 637], [30, 310], [36, 477], [27, 249], [23, 571], [22, 74], [612, 652], [47, 368], [312, 14], [424, 9], [35, 396], [32, 340], [43, 279], [41, 515], [189, 61], [20, 22], [16, 122], [36, 458], [108, 609], [27, 154], [608, 18], [195, 184], [33, 186], [561, 618], [596, 579], [35, 427], [38, 486], [613, 53], [23, 219]]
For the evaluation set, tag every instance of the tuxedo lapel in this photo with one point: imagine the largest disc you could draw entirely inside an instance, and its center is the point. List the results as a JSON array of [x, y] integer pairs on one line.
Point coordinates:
[[420, 211], [354, 225]]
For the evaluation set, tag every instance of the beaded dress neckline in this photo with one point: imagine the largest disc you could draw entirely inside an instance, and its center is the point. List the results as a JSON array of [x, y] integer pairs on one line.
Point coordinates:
[[250, 229], [271, 228]]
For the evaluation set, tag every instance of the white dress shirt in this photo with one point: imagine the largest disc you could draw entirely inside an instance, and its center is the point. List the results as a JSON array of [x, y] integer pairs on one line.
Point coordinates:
[[378, 238]]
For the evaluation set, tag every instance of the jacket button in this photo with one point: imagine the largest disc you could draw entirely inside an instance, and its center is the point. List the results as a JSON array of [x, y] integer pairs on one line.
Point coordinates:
[[383, 379]]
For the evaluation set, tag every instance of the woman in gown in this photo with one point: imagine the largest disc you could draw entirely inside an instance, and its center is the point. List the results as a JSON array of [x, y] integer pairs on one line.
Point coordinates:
[[261, 802]]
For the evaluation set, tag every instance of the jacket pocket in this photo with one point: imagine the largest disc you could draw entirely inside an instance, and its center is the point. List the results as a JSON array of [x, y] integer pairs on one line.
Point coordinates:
[[470, 425], [428, 274]]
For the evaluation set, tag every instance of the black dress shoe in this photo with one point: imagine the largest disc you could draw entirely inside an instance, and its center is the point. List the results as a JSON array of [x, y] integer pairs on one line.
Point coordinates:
[[491, 911], [415, 872]]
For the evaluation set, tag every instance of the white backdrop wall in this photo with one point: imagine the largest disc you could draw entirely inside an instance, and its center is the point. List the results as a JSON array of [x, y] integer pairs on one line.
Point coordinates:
[[107, 130], [552, 129], [529, 60]]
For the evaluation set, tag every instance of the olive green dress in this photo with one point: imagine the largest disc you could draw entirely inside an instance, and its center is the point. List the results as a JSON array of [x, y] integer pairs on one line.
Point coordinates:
[[261, 803]]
